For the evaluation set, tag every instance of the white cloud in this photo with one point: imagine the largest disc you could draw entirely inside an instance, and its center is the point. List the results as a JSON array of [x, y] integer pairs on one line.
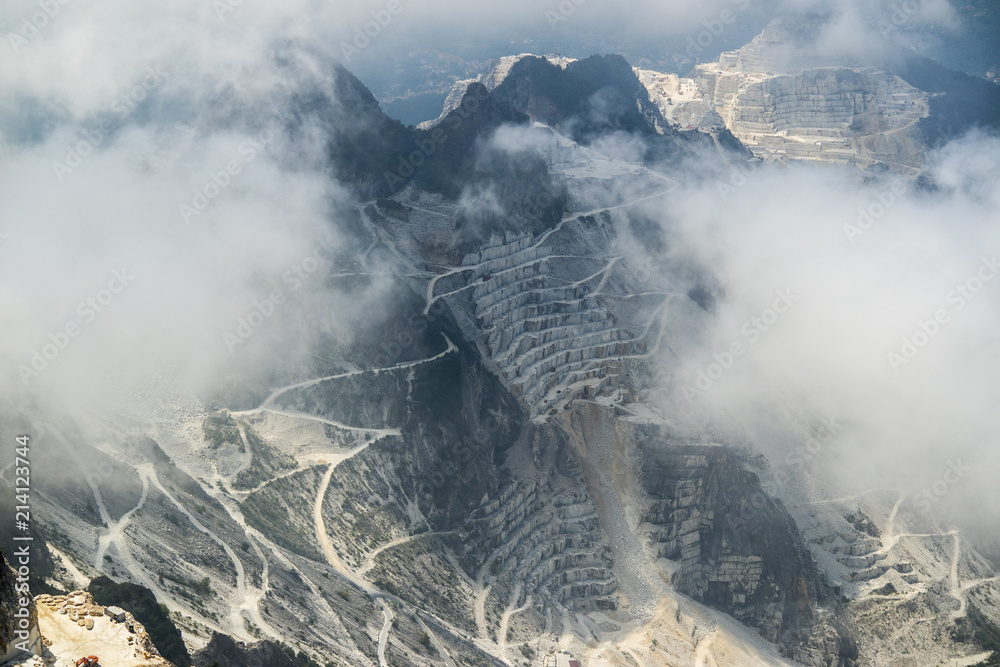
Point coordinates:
[[158, 163], [914, 274]]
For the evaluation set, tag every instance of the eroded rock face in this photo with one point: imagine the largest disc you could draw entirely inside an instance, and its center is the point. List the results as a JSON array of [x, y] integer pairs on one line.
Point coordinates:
[[544, 535], [545, 338], [706, 526], [738, 549], [19, 633]]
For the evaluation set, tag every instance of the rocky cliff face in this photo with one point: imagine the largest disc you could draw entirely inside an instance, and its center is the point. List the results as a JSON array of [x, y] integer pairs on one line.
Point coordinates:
[[784, 100], [546, 339], [706, 526], [19, 633], [834, 114], [75, 626], [595, 515], [600, 96], [472, 475], [737, 548]]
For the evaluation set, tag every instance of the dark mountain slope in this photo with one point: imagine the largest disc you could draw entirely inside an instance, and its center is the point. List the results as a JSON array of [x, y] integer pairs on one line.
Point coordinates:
[[597, 97], [959, 103]]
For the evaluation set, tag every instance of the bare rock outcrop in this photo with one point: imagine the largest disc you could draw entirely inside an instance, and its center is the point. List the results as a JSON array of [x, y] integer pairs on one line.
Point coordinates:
[[19, 635], [75, 620]]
